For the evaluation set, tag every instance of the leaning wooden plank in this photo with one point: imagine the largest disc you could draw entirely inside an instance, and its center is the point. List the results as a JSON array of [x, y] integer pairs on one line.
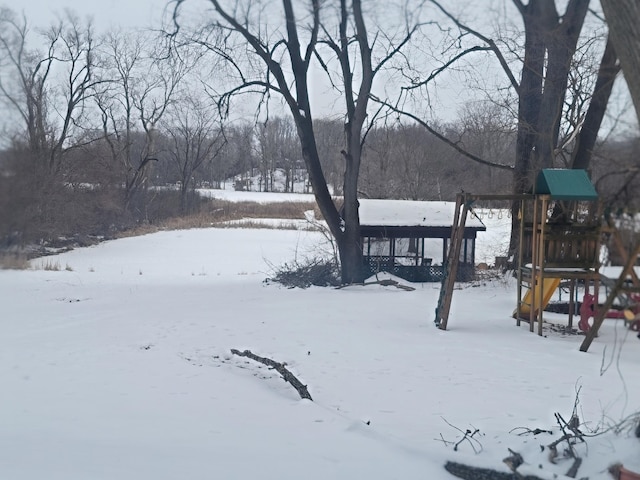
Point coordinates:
[[280, 368]]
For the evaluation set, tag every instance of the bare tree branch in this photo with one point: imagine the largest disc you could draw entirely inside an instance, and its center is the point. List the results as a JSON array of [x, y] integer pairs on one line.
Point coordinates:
[[492, 45], [440, 136], [441, 69]]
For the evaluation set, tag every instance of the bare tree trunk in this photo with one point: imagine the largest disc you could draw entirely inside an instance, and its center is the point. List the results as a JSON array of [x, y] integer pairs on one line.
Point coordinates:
[[542, 89], [351, 47], [623, 17], [351, 258], [586, 140], [561, 38]]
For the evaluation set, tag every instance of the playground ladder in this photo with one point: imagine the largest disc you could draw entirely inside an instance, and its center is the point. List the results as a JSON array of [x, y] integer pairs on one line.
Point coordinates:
[[450, 268]]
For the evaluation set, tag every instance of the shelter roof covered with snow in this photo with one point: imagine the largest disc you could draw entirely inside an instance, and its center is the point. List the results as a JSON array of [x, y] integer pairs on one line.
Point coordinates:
[[408, 213]]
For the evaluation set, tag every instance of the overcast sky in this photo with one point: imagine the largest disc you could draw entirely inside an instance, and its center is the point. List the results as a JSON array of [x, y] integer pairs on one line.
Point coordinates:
[[127, 13], [149, 13]]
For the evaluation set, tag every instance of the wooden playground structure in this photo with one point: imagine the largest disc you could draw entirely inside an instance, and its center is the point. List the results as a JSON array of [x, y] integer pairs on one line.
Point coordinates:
[[626, 288], [560, 236]]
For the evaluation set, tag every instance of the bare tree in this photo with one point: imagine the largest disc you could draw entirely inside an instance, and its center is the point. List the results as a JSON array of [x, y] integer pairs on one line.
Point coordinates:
[[46, 78], [50, 106], [116, 103], [547, 59], [143, 83], [286, 54], [278, 148], [623, 19], [403, 161], [585, 140], [237, 156], [25, 76], [267, 152], [196, 139], [550, 42]]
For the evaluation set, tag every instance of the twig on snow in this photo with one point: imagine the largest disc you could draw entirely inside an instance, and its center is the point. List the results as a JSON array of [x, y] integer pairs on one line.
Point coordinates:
[[467, 435], [280, 368], [527, 431], [384, 282]]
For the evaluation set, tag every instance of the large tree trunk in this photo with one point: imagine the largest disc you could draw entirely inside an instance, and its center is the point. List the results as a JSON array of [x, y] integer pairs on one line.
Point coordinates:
[[293, 87], [623, 17], [561, 38], [351, 259], [535, 15], [550, 43], [586, 139], [542, 87], [346, 228], [316, 176]]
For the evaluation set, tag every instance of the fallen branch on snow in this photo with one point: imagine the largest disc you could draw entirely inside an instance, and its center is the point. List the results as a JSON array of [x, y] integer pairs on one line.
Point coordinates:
[[280, 368], [467, 472], [385, 283]]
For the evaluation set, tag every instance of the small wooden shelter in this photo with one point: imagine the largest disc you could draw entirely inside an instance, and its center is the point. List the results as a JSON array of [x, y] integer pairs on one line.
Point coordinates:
[[411, 239]]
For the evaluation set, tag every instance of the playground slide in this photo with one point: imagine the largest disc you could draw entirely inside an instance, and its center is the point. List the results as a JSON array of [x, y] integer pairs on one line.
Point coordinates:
[[549, 285]]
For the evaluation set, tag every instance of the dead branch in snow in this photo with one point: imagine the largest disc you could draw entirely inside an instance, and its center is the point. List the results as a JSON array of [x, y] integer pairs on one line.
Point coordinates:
[[513, 461], [571, 435], [527, 431], [387, 282], [280, 368], [467, 435], [468, 472]]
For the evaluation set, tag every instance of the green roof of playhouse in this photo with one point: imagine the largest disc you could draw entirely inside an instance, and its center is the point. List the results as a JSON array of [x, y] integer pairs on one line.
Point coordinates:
[[565, 184]]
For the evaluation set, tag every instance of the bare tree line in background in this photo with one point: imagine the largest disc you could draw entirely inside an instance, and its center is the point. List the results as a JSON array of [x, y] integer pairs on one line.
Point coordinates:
[[104, 124]]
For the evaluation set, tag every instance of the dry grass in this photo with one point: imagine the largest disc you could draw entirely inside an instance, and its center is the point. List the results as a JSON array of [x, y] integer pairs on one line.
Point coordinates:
[[53, 266], [14, 261], [256, 224], [50, 266], [218, 213]]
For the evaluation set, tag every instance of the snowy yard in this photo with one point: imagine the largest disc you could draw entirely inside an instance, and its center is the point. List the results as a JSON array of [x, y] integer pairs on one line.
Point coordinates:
[[118, 366]]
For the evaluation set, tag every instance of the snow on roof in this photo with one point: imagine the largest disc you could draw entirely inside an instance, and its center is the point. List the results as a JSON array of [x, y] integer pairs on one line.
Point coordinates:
[[411, 213]]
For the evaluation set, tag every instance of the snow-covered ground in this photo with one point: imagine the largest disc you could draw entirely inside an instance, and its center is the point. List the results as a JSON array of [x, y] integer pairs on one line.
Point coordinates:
[[118, 366], [255, 187], [258, 197]]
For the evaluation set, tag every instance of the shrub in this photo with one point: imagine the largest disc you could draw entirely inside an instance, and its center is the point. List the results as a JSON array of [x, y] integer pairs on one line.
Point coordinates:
[[320, 272]]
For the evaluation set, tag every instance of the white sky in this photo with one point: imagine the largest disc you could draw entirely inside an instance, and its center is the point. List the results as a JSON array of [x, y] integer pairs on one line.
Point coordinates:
[[127, 13], [149, 13]]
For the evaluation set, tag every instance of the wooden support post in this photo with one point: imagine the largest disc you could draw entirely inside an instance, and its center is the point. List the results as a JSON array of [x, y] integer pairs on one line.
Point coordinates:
[[617, 241], [572, 301], [541, 257], [615, 291], [534, 265], [519, 264]]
